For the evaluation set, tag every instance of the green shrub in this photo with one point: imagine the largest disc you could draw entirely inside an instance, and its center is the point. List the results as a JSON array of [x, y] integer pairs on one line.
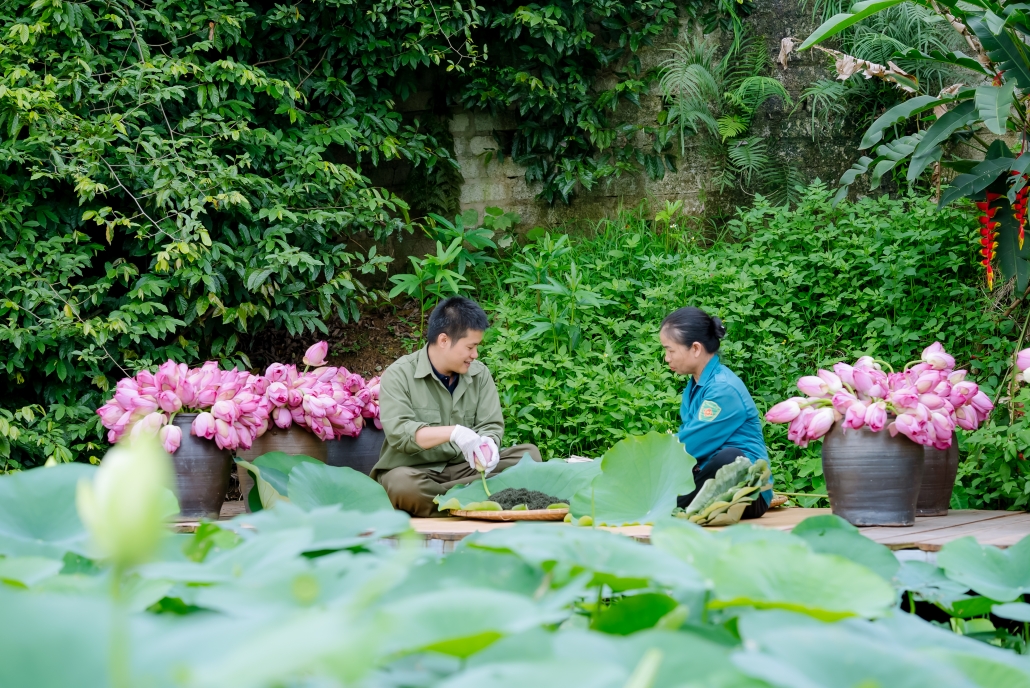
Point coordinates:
[[575, 348]]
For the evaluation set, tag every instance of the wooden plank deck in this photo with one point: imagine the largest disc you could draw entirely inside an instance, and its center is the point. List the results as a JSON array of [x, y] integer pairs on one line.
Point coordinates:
[[999, 528]]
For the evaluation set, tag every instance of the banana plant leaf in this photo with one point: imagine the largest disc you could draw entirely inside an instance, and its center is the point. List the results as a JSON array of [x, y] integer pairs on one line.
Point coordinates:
[[1001, 574], [839, 22], [993, 106], [956, 58], [555, 478], [639, 481], [897, 114], [1004, 49]]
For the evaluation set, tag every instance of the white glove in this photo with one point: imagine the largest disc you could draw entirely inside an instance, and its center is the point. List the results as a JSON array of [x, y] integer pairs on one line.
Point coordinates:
[[468, 441], [486, 455]]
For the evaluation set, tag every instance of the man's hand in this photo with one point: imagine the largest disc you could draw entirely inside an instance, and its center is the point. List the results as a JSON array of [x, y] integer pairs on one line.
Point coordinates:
[[468, 442]]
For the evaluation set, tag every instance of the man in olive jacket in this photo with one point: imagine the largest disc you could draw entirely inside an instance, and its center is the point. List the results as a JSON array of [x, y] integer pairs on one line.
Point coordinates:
[[441, 414]]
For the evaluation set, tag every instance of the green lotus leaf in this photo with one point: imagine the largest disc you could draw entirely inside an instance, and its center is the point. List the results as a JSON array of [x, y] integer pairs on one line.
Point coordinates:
[[614, 560], [316, 484], [1017, 611], [1001, 574], [24, 572], [593, 673], [632, 613], [639, 481], [928, 582], [38, 517], [331, 527], [555, 478], [270, 485], [831, 534]]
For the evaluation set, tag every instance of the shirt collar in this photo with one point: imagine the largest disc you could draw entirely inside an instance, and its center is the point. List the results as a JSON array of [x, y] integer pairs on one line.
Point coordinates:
[[423, 368], [709, 371]]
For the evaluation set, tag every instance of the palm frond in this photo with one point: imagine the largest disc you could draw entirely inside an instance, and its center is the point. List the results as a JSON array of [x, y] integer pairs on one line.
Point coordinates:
[[749, 158], [755, 90]]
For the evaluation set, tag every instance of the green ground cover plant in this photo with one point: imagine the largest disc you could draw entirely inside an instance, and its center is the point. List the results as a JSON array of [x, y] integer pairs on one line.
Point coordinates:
[[575, 353], [317, 596]]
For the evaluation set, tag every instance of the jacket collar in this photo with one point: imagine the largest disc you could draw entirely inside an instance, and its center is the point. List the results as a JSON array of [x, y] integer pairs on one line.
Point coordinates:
[[709, 372], [423, 368]]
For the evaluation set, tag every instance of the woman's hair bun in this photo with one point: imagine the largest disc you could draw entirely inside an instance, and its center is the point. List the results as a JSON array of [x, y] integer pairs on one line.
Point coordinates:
[[718, 327]]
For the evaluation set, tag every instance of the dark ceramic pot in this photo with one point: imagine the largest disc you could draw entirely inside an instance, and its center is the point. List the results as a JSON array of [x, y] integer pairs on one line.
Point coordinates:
[[939, 469], [360, 453], [872, 478], [201, 473], [292, 440]]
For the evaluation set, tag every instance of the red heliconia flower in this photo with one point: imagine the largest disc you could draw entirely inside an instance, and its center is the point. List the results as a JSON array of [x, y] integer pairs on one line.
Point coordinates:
[[988, 235]]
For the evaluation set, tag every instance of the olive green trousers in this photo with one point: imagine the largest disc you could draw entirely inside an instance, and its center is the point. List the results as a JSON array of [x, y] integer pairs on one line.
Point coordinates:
[[412, 488]]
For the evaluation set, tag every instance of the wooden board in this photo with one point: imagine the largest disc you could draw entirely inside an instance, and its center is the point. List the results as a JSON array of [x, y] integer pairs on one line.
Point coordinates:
[[998, 528]]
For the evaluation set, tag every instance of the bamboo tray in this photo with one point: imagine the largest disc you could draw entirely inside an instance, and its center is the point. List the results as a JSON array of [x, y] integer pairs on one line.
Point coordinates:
[[524, 515]]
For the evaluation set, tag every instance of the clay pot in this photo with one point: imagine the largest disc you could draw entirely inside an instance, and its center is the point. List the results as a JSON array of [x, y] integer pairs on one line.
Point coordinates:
[[292, 440], [873, 479], [201, 473], [360, 453], [939, 469]]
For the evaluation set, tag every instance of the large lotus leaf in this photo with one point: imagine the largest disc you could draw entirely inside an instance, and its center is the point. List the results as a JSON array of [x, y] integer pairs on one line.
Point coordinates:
[[614, 560], [269, 484], [330, 526], [788, 652], [831, 534], [37, 512], [1017, 611], [556, 478], [581, 673], [25, 572], [928, 582], [460, 622], [472, 568], [316, 484], [765, 575], [639, 481], [632, 613], [1001, 574], [53, 640], [137, 593]]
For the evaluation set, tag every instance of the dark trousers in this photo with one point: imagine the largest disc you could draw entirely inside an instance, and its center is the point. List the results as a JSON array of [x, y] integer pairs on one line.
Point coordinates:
[[706, 471]]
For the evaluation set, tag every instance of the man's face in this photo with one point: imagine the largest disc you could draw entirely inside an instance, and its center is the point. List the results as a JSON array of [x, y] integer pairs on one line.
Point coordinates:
[[457, 355]]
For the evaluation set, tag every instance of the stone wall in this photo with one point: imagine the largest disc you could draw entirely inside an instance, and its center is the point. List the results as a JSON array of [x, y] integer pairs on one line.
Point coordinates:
[[503, 184]]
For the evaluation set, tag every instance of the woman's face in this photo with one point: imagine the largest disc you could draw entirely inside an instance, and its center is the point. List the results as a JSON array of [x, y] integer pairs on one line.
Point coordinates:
[[682, 360]]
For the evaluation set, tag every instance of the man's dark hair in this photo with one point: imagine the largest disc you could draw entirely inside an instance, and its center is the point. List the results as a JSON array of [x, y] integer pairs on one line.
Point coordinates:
[[455, 317]]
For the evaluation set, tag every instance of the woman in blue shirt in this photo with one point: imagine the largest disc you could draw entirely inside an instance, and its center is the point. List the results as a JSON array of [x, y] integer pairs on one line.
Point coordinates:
[[719, 420]]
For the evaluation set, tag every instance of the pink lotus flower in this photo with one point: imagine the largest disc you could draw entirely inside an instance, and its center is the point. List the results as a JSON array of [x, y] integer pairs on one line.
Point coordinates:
[[963, 393], [845, 373], [927, 381], [854, 417], [843, 400], [784, 412], [282, 417], [169, 401], [982, 403], [203, 426], [833, 382], [171, 438], [315, 355], [797, 431], [814, 387], [821, 422], [876, 416], [966, 418], [936, 357], [1023, 360]]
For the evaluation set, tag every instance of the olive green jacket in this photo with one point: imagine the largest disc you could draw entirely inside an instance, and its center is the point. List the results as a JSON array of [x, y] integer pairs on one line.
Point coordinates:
[[412, 397]]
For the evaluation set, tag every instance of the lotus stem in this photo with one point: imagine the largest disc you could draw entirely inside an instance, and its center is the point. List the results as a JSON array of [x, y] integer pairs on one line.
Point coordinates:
[[482, 476], [889, 367], [801, 494]]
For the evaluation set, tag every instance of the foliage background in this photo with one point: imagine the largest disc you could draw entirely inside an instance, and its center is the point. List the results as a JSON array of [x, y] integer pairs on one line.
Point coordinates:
[[797, 288]]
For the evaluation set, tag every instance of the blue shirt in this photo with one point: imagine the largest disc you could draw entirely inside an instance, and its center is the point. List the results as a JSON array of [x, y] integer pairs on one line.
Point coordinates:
[[717, 412]]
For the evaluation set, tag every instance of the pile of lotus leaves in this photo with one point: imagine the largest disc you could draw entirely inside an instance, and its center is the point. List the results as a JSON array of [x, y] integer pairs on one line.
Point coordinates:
[[721, 500], [327, 588]]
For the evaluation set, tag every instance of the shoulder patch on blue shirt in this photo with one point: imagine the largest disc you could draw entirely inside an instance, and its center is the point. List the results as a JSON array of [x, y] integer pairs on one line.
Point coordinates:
[[709, 411]]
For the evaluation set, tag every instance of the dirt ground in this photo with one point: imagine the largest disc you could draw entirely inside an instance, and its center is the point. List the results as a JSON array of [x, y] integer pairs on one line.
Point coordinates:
[[366, 347]]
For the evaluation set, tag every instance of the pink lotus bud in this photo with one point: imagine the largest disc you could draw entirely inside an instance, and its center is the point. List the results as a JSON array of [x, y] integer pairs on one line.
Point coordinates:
[[295, 398], [927, 381], [206, 397], [833, 382], [169, 401], [966, 418], [282, 417], [866, 363], [843, 400], [315, 355], [864, 382], [1023, 360], [963, 393], [905, 397], [246, 440], [150, 424], [981, 403], [145, 378], [171, 438], [845, 373], [225, 411], [943, 428], [854, 416], [813, 386], [821, 422], [798, 428], [943, 389], [931, 401], [203, 426], [276, 373], [876, 416], [109, 414], [784, 412], [936, 357], [908, 426]]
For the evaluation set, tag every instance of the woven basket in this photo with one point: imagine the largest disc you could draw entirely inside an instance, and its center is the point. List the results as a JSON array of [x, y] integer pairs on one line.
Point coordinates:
[[524, 515]]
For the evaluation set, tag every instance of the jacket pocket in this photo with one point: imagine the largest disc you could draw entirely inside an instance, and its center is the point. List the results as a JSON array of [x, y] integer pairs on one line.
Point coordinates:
[[427, 415]]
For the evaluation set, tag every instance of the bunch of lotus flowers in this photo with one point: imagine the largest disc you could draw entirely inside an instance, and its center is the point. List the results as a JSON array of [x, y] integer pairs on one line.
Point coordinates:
[[330, 402], [924, 402], [232, 407]]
